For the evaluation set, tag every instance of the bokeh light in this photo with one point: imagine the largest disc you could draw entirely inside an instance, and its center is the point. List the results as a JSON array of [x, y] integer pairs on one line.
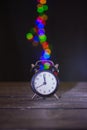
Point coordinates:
[[44, 16], [36, 39], [42, 38], [48, 51], [40, 19], [41, 31], [45, 45], [40, 25], [45, 7], [45, 56], [29, 36], [40, 9], [43, 1], [38, 33], [46, 66], [41, 67]]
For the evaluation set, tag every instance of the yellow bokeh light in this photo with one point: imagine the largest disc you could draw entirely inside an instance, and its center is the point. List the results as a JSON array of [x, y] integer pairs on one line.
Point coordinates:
[[48, 51]]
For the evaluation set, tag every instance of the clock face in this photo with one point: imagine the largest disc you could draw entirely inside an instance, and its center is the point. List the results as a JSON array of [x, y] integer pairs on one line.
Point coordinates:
[[44, 83]]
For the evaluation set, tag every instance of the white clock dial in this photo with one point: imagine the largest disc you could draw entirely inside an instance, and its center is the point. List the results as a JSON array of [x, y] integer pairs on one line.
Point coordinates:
[[44, 83]]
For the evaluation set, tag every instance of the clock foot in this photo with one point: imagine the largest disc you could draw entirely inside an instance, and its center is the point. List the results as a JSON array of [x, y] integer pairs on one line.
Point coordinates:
[[34, 96], [56, 96], [37, 97]]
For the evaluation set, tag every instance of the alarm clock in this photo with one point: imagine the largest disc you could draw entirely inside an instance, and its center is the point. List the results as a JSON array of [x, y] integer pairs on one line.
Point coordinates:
[[45, 82]]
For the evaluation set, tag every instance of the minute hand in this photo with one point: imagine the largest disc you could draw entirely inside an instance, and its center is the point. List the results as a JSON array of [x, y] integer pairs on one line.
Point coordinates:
[[41, 85]]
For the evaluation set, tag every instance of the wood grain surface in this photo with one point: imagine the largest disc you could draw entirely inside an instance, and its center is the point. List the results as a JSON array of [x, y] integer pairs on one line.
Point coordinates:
[[19, 111]]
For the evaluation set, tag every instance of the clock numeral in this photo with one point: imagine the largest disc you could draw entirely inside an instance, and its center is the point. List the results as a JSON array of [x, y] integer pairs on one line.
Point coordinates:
[[37, 78]]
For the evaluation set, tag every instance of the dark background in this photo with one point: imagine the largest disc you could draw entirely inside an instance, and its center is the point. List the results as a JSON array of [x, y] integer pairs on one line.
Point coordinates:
[[66, 30]]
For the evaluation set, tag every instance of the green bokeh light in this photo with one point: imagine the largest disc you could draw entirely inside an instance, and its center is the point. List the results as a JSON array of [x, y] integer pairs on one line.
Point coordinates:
[[45, 7], [29, 36], [46, 66], [40, 9], [42, 38]]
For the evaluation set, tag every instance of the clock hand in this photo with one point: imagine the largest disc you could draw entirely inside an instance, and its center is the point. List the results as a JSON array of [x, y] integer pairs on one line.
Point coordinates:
[[44, 78], [41, 85]]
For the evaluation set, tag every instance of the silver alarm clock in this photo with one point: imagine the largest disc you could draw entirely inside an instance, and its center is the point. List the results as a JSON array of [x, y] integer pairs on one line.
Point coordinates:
[[45, 82]]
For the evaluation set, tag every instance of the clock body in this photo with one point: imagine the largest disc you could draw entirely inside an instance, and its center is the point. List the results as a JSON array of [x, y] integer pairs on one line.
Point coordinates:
[[44, 83]]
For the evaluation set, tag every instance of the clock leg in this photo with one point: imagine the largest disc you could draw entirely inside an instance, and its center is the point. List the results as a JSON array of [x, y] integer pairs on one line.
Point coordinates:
[[34, 96], [37, 97], [56, 96]]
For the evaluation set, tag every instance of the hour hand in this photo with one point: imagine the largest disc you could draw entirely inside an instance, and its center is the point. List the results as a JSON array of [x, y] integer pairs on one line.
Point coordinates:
[[44, 78]]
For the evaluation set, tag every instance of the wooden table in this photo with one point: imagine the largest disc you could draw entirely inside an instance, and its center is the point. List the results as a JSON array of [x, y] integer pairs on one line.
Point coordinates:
[[19, 111]]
